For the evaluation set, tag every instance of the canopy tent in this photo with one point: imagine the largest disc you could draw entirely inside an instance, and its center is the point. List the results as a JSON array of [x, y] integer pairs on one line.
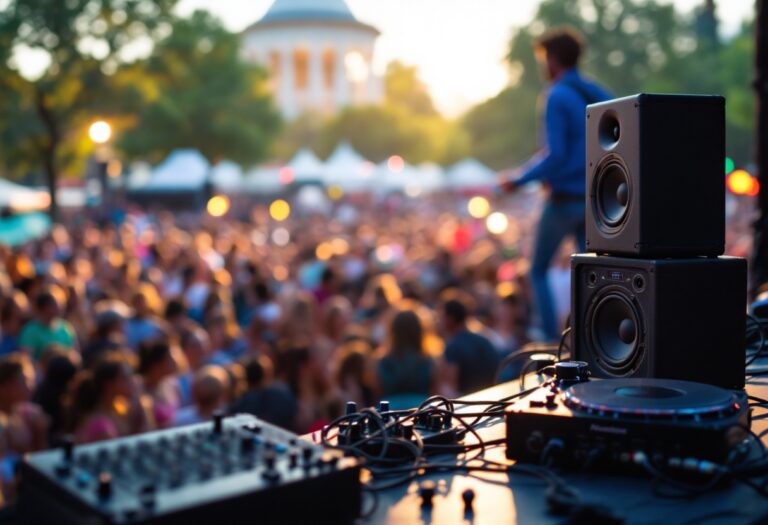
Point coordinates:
[[226, 176], [305, 167], [21, 198], [183, 170], [470, 174], [263, 180], [20, 229], [387, 179], [431, 177], [348, 169]]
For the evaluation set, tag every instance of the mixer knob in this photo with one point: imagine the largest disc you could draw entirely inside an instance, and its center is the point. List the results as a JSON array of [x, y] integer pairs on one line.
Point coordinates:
[[293, 459], [105, 485], [218, 422], [68, 448], [427, 492], [351, 407], [269, 460], [468, 496], [246, 445]]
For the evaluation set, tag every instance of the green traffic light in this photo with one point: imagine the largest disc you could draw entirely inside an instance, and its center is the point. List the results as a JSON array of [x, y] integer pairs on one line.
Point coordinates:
[[729, 165]]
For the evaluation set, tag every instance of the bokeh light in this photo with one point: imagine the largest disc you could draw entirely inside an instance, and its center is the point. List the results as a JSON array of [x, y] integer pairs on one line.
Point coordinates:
[[280, 273], [100, 132], [729, 165], [286, 176], [281, 237], [384, 254], [340, 246], [324, 251], [740, 182], [497, 223], [506, 288], [478, 207], [218, 205], [335, 193], [395, 163], [279, 210]]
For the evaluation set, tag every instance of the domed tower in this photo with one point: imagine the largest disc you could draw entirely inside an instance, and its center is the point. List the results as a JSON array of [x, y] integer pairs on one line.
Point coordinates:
[[318, 55]]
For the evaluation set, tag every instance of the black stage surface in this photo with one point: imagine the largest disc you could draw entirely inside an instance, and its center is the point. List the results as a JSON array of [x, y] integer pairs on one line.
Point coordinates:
[[515, 499]]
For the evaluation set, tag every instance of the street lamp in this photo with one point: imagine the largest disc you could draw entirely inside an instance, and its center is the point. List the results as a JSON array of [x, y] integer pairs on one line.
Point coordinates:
[[100, 132]]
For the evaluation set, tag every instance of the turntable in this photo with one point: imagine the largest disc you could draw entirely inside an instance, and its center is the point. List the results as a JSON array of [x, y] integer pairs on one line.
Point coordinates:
[[619, 423]]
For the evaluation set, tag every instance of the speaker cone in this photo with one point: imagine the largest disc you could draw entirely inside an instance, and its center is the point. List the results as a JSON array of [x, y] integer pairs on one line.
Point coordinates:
[[611, 194], [615, 332]]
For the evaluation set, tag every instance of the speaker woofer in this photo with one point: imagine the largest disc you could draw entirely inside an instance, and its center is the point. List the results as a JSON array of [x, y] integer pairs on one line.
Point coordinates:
[[611, 194], [615, 332]]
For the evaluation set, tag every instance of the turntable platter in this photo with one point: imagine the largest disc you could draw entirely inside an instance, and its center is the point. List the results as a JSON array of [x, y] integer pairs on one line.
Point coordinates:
[[651, 398]]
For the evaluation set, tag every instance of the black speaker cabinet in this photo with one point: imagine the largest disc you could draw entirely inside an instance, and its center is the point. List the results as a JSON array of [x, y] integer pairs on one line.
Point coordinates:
[[656, 176], [667, 318]]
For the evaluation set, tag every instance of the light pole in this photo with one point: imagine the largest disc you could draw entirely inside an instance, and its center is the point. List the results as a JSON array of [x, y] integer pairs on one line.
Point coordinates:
[[100, 132]]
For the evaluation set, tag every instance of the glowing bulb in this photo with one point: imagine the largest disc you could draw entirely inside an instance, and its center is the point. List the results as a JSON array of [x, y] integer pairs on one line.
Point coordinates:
[[741, 182], [281, 237], [335, 193], [478, 207], [279, 210], [100, 132], [286, 176], [324, 251], [497, 223], [340, 246], [395, 163], [218, 206]]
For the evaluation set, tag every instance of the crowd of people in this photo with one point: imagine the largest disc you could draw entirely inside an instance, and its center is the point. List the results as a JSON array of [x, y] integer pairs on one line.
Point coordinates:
[[113, 329]]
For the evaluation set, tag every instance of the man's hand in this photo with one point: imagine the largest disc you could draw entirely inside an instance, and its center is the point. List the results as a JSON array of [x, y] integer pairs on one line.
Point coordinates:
[[508, 186]]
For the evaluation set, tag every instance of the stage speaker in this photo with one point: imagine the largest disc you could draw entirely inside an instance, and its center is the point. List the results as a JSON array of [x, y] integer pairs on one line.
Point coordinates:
[[656, 176], [667, 318]]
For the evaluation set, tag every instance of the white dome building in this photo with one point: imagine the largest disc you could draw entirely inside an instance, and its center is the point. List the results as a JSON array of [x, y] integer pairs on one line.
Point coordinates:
[[318, 55]]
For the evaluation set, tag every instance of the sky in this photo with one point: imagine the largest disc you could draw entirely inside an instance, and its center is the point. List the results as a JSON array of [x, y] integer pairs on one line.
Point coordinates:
[[457, 45]]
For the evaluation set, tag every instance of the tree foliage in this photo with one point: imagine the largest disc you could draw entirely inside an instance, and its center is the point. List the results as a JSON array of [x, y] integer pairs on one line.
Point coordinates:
[[632, 47], [83, 42], [202, 96], [406, 124]]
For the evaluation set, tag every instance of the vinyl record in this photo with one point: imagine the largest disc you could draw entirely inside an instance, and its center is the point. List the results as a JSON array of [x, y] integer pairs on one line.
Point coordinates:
[[651, 399]]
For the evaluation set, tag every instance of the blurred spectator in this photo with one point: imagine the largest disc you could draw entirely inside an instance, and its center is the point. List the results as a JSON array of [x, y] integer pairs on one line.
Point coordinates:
[[405, 374], [209, 394], [46, 328], [157, 363], [58, 372], [265, 398], [109, 335], [143, 325], [470, 357], [106, 402], [14, 312]]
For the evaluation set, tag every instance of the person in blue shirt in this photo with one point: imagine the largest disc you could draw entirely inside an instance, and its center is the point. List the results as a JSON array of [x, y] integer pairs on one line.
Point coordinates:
[[560, 164]]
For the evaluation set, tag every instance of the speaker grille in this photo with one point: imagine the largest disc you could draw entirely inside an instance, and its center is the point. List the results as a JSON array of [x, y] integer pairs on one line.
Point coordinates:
[[611, 194], [615, 331]]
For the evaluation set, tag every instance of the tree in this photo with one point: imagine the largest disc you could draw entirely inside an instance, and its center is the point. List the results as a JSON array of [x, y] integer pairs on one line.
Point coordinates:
[[205, 97], [406, 124], [84, 42], [631, 47]]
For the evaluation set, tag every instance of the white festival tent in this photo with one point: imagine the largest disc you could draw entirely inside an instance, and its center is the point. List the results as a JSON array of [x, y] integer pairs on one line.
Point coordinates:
[[182, 170], [227, 177], [431, 177], [305, 167], [21, 198], [264, 180], [470, 174], [348, 170]]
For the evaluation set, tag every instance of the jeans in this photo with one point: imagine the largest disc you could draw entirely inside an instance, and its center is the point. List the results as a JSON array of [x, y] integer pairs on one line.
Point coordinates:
[[558, 219]]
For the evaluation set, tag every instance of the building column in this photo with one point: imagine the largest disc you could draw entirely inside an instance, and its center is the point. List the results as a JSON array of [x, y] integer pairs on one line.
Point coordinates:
[[287, 96], [316, 85], [340, 82]]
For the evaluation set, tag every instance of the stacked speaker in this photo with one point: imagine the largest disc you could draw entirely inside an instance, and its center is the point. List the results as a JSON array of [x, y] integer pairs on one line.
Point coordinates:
[[656, 298]]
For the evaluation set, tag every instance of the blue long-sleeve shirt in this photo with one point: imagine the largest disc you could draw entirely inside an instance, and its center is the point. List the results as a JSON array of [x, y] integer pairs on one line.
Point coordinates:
[[561, 163]]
